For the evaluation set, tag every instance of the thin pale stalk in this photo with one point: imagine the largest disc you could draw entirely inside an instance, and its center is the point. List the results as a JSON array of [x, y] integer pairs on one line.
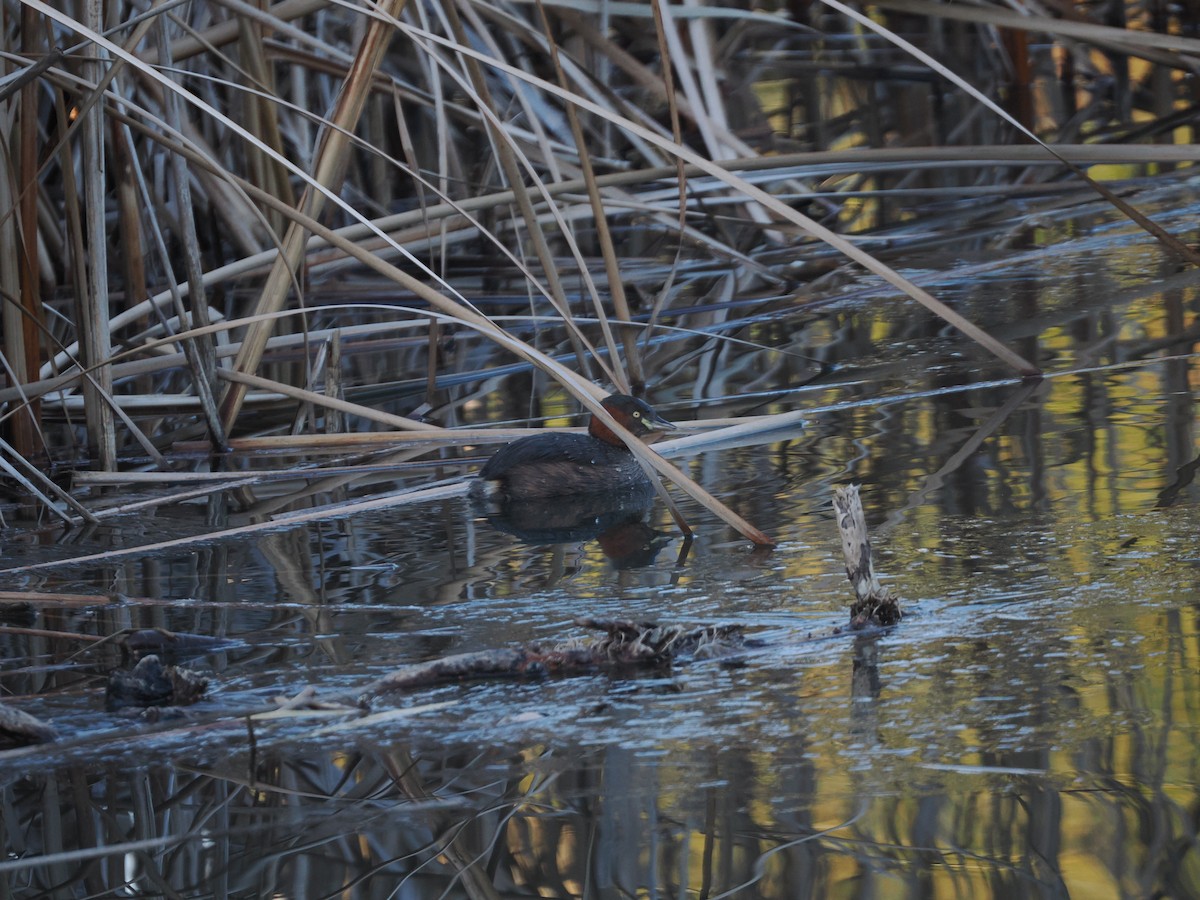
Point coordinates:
[[262, 109], [202, 362], [706, 118], [1127, 41], [116, 412], [681, 174], [289, 444], [488, 38], [334, 421], [44, 598], [321, 400], [419, 495], [226, 32], [16, 349], [24, 355]]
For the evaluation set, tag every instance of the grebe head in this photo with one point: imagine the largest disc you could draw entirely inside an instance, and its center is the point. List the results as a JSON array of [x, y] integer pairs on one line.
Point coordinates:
[[636, 415]]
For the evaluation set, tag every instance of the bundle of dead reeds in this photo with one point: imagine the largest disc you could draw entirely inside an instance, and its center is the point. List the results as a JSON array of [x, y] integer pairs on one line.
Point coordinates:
[[186, 188]]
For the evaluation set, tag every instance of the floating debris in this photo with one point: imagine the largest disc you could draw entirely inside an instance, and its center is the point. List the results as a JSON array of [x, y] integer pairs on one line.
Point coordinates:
[[151, 684], [624, 644]]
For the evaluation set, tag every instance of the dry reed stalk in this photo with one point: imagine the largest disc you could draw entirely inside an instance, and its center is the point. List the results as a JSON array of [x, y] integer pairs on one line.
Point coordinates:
[[701, 91], [681, 174], [661, 86], [200, 352], [335, 423], [1128, 41], [262, 116], [366, 412], [47, 598], [333, 483], [616, 284], [53, 635], [92, 322], [118, 412], [329, 168], [129, 479], [37, 484], [293, 443], [544, 146], [125, 507], [24, 350], [228, 30], [874, 604], [126, 180], [16, 349]]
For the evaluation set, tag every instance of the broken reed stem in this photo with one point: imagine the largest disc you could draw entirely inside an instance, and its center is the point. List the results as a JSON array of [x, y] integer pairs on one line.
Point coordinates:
[[334, 420], [874, 603]]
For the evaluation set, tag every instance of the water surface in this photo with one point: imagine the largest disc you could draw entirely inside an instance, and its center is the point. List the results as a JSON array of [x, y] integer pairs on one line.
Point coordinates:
[[1030, 729]]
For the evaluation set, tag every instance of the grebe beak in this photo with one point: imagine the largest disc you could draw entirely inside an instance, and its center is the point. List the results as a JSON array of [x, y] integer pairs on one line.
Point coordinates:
[[655, 422]]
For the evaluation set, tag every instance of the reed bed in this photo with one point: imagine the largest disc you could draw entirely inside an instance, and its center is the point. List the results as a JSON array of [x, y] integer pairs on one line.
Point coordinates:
[[302, 221]]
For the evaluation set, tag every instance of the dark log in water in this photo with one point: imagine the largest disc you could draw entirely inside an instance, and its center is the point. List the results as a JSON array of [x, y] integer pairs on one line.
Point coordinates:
[[624, 644]]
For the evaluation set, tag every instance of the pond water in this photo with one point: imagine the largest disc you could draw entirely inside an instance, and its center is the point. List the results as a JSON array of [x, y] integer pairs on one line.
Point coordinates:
[[1030, 729]]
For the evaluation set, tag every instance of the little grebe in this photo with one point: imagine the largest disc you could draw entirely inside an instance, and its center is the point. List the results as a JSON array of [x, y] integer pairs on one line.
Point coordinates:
[[557, 464]]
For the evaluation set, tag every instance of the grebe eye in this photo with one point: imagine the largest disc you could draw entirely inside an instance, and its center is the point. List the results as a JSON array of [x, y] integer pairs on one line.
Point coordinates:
[[636, 414]]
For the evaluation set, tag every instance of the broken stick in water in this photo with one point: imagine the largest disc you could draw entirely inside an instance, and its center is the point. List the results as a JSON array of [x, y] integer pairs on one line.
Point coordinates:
[[873, 604]]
